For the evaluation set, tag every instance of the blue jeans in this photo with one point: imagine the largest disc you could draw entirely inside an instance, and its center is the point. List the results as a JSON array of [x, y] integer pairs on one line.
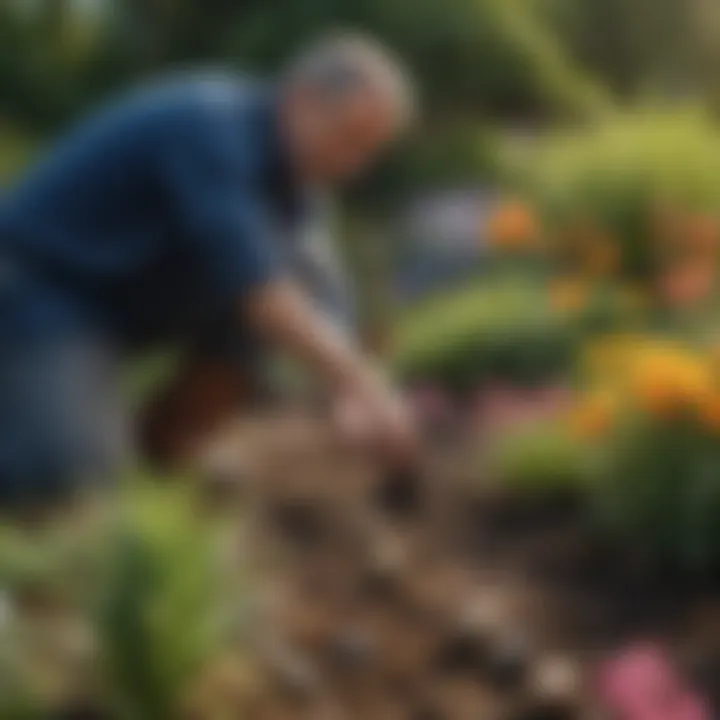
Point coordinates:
[[62, 424]]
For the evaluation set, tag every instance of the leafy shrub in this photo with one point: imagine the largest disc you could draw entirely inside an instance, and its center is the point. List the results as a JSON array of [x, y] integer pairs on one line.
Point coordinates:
[[541, 459], [464, 156], [653, 411], [624, 180], [50, 576], [140, 587], [165, 602], [500, 329], [661, 491], [513, 328]]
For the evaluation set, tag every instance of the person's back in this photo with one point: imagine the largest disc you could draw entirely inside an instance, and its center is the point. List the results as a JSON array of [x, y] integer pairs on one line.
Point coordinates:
[[120, 211]]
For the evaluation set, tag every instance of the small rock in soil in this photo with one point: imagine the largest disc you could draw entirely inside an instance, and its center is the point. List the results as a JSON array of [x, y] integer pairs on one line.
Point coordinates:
[[387, 559], [555, 691], [485, 613], [399, 494], [558, 679], [295, 672]]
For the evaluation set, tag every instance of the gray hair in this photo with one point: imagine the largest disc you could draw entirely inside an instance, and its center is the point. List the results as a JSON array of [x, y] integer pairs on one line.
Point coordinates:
[[342, 63]]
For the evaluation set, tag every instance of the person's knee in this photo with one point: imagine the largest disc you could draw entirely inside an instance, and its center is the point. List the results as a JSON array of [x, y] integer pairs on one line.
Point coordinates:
[[44, 470]]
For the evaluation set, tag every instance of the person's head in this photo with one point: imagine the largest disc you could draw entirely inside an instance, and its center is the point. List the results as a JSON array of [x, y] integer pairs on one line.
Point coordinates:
[[342, 102]]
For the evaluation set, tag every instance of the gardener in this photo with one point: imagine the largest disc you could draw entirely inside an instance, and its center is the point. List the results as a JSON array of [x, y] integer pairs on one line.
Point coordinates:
[[173, 217]]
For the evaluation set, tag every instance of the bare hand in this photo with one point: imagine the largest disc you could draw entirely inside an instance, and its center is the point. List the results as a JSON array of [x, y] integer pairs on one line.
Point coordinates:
[[378, 419]]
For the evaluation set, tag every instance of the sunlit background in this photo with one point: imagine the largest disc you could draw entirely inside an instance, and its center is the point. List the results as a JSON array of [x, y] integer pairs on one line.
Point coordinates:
[[537, 266]]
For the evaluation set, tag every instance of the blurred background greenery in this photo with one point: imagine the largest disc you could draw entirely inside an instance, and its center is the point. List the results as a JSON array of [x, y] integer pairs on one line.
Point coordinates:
[[520, 63], [587, 132]]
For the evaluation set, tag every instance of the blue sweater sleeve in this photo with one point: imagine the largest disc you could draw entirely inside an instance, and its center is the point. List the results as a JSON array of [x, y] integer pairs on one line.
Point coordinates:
[[222, 217]]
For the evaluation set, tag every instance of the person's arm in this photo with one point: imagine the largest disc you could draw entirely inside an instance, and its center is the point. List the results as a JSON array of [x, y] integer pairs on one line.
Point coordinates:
[[229, 228], [284, 315]]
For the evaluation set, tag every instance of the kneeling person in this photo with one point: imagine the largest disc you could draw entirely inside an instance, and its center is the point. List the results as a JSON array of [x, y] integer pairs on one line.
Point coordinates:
[[173, 216]]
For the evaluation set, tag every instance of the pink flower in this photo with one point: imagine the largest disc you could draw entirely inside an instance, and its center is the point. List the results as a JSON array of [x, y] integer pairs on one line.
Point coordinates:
[[641, 684]]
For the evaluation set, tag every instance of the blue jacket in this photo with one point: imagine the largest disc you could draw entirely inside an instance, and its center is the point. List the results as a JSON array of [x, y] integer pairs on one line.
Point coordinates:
[[163, 209]]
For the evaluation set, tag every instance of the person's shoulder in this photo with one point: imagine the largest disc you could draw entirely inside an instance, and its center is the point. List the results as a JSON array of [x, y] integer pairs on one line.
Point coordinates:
[[205, 89]]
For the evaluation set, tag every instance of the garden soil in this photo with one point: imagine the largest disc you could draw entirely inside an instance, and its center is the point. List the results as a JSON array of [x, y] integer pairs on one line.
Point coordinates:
[[387, 595]]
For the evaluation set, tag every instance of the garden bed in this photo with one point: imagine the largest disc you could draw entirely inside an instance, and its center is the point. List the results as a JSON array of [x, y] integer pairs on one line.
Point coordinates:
[[437, 597]]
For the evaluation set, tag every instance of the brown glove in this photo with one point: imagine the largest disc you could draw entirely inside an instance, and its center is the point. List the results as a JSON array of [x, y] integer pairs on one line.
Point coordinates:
[[183, 415]]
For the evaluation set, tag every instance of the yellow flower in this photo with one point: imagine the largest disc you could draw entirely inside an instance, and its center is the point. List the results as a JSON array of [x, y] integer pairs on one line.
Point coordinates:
[[594, 415], [513, 226], [666, 380], [608, 358]]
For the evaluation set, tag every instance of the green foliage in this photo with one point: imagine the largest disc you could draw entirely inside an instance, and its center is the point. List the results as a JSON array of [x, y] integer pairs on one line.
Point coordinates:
[[57, 561], [50, 577], [501, 329], [456, 156], [488, 55], [15, 150], [620, 174], [145, 578], [541, 459], [470, 55], [164, 605], [649, 47], [660, 491]]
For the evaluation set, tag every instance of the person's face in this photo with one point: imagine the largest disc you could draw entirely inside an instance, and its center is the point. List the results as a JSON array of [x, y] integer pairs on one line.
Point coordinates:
[[334, 140]]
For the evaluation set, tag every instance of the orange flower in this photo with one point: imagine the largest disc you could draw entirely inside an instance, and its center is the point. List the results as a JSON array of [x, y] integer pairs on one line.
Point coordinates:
[[593, 417], [513, 226], [667, 380], [686, 284]]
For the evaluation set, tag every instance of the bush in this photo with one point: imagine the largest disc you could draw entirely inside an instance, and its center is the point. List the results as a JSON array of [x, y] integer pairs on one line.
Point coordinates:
[[661, 492], [449, 157], [513, 328], [166, 604], [502, 329], [624, 181], [541, 460], [653, 411], [128, 603]]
